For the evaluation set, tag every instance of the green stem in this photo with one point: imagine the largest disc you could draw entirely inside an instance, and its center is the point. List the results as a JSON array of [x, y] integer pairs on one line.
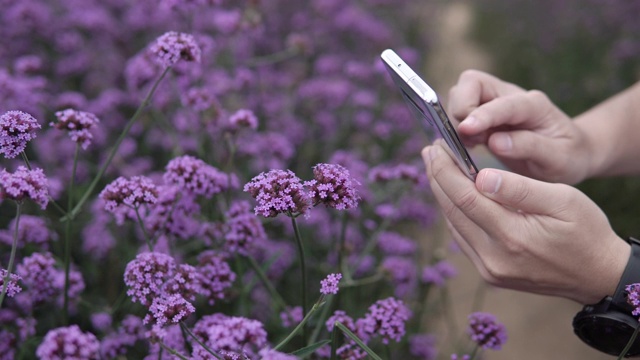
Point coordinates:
[[475, 352], [172, 351], [334, 342], [188, 331], [144, 230], [300, 326], [323, 316], [67, 238], [364, 281], [303, 270], [12, 257], [630, 342], [342, 262], [275, 295], [357, 340], [74, 212]]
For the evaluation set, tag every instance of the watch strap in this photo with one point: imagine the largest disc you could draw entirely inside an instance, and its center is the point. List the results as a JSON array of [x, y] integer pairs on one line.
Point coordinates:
[[631, 275]]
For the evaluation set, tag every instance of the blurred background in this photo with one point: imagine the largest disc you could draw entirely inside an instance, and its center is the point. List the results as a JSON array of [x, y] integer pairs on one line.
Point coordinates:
[[579, 53]]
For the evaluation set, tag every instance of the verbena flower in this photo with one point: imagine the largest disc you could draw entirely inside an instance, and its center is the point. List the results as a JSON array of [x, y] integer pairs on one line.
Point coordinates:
[[69, 343], [230, 333], [78, 124], [291, 316], [242, 230], [174, 46], [168, 309], [197, 177], [385, 173], [392, 243], [132, 193], [25, 184], [32, 230], [330, 284], [278, 191], [333, 186], [145, 275], [243, 118], [633, 297], [216, 275], [173, 213], [38, 275], [270, 354], [185, 281], [438, 274], [486, 331], [423, 346], [403, 274], [16, 129], [12, 285], [460, 357], [386, 318], [341, 317]]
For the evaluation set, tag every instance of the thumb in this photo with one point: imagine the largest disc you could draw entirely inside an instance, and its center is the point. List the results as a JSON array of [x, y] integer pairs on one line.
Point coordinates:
[[523, 193]]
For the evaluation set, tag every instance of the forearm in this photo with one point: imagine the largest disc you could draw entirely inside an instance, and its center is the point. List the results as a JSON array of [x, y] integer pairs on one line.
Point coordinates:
[[612, 130]]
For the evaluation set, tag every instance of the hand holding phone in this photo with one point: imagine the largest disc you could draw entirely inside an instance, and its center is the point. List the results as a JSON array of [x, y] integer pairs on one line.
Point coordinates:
[[424, 104]]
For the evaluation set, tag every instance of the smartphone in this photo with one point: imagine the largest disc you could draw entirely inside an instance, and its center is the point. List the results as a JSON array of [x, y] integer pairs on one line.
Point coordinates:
[[424, 104]]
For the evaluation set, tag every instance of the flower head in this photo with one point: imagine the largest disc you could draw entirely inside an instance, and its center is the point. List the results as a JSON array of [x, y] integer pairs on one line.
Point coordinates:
[[486, 331], [291, 316], [386, 318], [333, 186], [38, 275], [173, 46], [633, 297], [16, 129], [145, 275], [68, 343], [197, 177], [423, 346], [216, 275], [168, 309], [437, 274], [330, 284], [78, 124], [278, 191], [25, 184], [243, 229], [12, 284], [243, 118], [230, 333], [132, 192]]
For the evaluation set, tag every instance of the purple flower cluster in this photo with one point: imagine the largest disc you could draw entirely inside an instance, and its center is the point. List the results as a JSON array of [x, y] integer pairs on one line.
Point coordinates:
[[197, 177], [486, 331], [277, 192], [386, 318], [291, 316], [168, 309], [403, 273], [25, 184], [146, 275], [78, 124], [439, 273], [243, 118], [392, 243], [69, 343], [12, 287], [216, 275], [333, 186], [229, 333], [423, 346], [385, 173], [38, 274], [32, 230], [16, 129], [330, 284], [173, 213], [242, 230], [125, 194], [633, 297], [173, 46]]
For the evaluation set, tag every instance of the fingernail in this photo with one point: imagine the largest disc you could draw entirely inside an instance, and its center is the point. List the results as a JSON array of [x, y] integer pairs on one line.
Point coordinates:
[[491, 182], [502, 142]]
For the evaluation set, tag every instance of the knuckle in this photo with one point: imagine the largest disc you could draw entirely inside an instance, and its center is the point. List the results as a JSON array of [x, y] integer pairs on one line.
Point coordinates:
[[466, 200], [537, 96], [470, 74], [521, 192]]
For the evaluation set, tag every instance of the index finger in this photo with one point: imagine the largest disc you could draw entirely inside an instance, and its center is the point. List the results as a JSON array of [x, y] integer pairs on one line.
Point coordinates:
[[475, 88]]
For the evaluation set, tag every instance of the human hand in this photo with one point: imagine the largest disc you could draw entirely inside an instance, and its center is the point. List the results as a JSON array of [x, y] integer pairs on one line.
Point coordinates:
[[528, 235], [524, 129]]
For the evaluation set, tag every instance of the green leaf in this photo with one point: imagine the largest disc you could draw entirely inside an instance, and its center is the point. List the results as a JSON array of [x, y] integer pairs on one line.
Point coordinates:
[[355, 338], [308, 350]]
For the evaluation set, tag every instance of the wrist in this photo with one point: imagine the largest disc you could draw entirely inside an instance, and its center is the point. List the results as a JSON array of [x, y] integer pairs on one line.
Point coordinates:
[[590, 147]]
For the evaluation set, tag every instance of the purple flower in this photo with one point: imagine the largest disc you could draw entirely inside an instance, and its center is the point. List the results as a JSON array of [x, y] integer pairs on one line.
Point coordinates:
[[78, 124], [330, 284], [486, 331], [173, 213], [633, 297], [138, 190], [333, 186], [270, 354], [216, 275], [145, 275], [25, 184], [173, 46], [69, 343], [438, 273], [199, 99], [167, 309], [386, 318], [423, 346], [197, 177], [32, 230], [385, 173], [229, 333], [185, 281], [101, 321], [242, 229], [403, 274], [392, 243], [243, 118], [463, 357], [16, 129], [291, 316], [38, 275], [12, 284], [278, 191], [341, 317]]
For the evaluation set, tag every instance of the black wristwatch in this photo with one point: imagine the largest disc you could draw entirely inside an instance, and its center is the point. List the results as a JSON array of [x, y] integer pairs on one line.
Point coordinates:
[[608, 325]]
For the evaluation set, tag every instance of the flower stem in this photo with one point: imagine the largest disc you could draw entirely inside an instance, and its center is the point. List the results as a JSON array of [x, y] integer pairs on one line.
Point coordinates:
[[67, 238], [303, 270], [475, 352], [357, 340], [186, 329], [320, 323], [144, 231], [299, 327], [74, 212], [630, 342], [334, 342], [12, 257], [172, 351], [275, 295]]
